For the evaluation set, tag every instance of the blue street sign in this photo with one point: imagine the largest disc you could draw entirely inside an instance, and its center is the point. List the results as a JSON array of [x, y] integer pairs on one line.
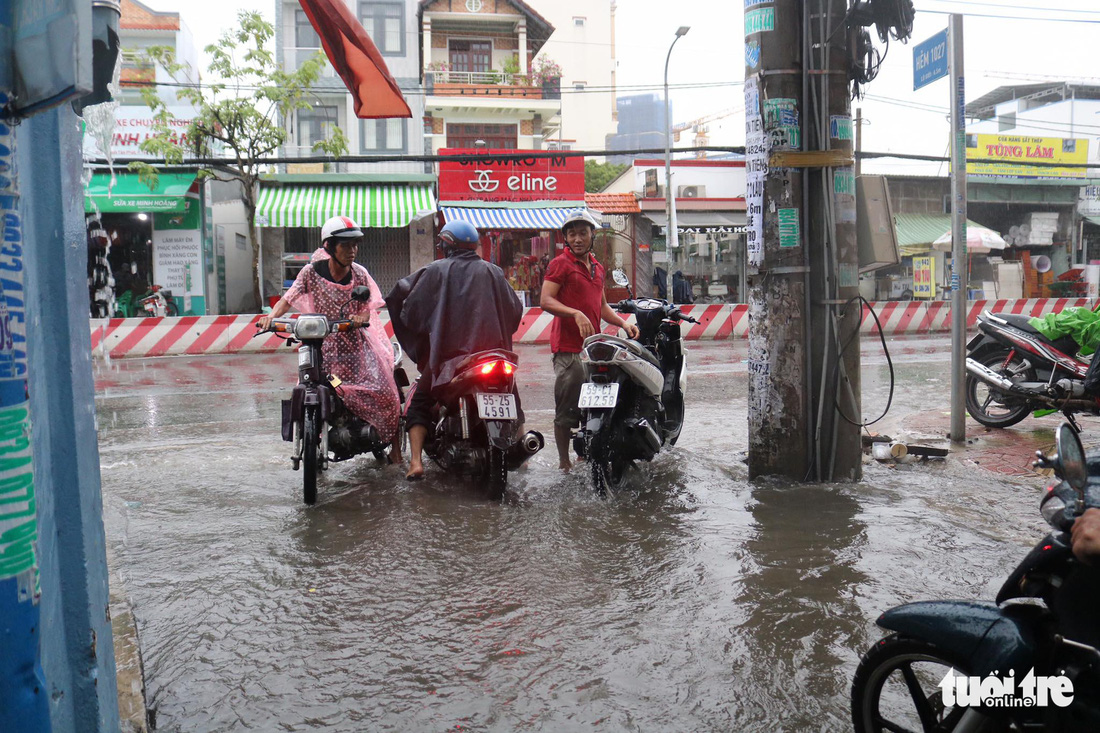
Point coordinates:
[[930, 60]]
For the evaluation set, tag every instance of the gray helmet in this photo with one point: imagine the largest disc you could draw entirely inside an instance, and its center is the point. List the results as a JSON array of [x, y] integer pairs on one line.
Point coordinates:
[[580, 215]]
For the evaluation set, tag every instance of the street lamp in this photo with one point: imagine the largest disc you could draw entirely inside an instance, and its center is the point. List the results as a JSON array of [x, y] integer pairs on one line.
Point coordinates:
[[672, 236]]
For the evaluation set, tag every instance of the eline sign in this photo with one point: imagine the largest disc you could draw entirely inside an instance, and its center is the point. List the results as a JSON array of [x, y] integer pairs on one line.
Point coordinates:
[[930, 60], [504, 175]]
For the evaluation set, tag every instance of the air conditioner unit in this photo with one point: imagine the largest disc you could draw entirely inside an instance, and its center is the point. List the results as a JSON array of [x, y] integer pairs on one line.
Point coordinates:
[[691, 192]]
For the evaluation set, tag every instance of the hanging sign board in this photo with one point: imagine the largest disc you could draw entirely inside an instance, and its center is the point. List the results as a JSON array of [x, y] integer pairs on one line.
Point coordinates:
[[502, 177], [930, 60]]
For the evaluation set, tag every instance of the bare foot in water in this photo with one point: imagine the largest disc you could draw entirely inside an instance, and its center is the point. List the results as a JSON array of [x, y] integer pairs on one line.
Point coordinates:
[[416, 471]]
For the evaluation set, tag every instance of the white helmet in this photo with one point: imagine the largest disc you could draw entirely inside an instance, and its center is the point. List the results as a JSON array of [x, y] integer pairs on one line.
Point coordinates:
[[580, 215], [341, 227]]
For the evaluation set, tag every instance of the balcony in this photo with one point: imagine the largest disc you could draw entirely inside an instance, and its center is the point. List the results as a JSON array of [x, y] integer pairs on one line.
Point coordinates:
[[488, 84]]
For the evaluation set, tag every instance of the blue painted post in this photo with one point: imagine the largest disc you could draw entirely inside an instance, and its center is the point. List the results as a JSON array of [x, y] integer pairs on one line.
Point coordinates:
[[77, 644]]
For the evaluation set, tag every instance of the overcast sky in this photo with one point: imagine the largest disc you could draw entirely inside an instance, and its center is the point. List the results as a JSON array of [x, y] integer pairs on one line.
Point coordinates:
[[1035, 48]]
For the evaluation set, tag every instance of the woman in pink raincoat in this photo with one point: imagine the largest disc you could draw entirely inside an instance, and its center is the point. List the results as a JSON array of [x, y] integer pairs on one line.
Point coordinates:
[[361, 358]]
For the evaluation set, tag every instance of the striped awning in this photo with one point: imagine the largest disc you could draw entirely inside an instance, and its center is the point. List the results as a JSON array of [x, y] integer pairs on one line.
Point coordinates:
[[369, 205], [511, 218]]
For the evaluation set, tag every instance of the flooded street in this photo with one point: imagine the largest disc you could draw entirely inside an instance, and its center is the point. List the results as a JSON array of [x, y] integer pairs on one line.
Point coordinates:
[[692, 601]]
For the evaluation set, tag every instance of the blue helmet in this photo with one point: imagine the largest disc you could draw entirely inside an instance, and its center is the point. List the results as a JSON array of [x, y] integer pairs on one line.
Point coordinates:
[[460, 234]]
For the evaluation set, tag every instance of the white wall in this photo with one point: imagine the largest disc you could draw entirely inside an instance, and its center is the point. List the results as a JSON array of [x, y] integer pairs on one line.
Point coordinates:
[[585, 55], [722, 182]]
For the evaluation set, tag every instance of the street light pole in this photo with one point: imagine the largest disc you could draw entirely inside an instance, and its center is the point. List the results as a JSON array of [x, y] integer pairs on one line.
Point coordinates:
[[672, 236]]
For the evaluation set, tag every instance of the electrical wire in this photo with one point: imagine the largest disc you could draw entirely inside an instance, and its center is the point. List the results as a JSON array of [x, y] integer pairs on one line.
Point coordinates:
[[889, 363], [1008, 17], [1004, 6]]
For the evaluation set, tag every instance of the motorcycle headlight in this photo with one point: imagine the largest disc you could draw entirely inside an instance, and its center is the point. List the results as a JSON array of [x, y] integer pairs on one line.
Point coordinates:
[[310, 327], [1053, 509]]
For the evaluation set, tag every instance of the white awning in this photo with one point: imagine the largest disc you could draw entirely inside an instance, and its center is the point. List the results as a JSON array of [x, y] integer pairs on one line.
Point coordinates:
[[702, 221], [510, 218]]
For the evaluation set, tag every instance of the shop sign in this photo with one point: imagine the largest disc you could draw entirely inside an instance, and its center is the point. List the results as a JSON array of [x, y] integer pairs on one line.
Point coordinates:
[[924, 277], [133, 126], [1088, 201], [1011, 150], [177, 250], [651, 188], [713, 230], [502, 178]]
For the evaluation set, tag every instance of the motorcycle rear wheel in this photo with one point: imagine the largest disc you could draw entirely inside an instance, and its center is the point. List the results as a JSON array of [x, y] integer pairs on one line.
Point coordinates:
[[896, 688], [311, 449], [498, 474], [607, 468], [985, 403]]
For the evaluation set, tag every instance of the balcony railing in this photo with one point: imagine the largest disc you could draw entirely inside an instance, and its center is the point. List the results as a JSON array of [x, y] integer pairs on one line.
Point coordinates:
[[488, 84]]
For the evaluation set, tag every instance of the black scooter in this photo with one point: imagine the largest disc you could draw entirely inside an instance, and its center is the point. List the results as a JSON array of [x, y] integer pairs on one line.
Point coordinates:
[[477, 421], [633, 397], [1042, 635], [315, 419]]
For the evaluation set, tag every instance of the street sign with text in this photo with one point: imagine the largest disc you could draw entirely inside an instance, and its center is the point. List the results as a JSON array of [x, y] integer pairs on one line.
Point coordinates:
[[930, 60]]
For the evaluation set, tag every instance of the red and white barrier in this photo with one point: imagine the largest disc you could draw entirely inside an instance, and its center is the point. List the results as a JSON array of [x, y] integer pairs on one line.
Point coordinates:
[[197, 335]]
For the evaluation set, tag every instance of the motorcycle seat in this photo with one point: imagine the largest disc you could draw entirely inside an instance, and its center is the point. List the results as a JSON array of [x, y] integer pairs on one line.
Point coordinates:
[[1066, 344], [632, 346]]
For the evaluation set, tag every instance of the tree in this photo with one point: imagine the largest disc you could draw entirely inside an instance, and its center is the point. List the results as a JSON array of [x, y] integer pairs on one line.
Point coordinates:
[[237, 116], [598, 175]]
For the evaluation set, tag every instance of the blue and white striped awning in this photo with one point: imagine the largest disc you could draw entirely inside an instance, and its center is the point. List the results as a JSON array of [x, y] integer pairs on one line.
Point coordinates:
[[518, 218], [369, 205]]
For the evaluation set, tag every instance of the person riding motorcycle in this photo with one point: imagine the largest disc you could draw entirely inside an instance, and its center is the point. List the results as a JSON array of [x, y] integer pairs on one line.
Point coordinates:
[[444, 312], [362, 358]]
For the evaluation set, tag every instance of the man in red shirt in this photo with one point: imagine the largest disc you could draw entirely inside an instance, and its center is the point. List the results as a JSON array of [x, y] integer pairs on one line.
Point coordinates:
[[572, 290]]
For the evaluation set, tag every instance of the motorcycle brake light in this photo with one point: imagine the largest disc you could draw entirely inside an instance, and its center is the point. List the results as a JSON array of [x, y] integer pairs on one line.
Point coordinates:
[[508, 368], [488, 367]]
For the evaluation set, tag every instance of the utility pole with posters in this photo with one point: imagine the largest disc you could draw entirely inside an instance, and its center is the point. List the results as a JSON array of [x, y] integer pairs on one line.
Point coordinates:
[[805, 409]]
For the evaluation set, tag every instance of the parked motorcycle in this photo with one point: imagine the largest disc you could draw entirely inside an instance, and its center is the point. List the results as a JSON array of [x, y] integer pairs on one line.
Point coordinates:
[[1042, 626], [633, 396], [477, 432], [158, 302], [315, 419], [1012, 370]]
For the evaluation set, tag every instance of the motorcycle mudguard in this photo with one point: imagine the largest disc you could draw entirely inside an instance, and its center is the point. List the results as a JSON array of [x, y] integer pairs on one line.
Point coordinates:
[[988, 638], [502, 433], [1049, 556]]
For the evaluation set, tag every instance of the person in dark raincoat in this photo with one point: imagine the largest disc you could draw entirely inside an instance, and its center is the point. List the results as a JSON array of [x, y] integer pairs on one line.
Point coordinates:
[[444, 312]]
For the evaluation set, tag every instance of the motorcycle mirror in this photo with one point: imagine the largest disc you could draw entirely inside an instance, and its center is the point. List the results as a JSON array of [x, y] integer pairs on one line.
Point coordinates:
[[360, 293], [620, 278], [1071, 456]]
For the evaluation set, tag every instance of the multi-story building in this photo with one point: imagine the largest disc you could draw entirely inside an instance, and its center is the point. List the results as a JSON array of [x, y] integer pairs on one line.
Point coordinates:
[[584, 46], [483, 86], [641, 125]]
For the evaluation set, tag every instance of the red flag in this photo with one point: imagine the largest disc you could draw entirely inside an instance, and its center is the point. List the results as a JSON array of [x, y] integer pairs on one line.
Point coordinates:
[[354, 56]]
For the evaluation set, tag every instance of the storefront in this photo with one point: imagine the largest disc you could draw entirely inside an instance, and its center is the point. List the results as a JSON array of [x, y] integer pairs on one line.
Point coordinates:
[[518, 206], [712, 256], [143, 237], [394, 212]]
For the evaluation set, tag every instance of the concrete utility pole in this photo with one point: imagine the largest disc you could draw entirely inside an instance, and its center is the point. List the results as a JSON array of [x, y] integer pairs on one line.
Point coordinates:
[[960, 275], [803, 260]]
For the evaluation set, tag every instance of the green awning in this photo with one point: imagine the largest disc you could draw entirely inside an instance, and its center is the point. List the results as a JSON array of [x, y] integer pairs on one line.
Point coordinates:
[[916, 232], [131, 195], [373, 206]]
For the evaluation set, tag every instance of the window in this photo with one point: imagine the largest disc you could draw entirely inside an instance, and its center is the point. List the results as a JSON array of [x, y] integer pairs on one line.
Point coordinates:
[[499, 137], [475, 56], [578, 86], [385, 24], [578, 21], [315, 123], [383, 136], [304, 35]]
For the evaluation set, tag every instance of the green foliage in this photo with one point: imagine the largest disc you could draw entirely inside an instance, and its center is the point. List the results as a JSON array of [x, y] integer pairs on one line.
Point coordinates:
[[598, 175], [238, 115], [510, 67]]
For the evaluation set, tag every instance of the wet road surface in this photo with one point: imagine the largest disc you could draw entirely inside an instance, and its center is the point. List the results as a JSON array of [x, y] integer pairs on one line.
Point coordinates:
[[694, 600]]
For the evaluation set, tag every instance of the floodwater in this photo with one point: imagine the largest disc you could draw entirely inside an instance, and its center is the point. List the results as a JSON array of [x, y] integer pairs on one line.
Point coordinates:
[[693, 600]]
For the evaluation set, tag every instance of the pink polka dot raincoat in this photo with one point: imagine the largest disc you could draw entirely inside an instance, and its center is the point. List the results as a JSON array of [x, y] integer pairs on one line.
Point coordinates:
[[361, 358]]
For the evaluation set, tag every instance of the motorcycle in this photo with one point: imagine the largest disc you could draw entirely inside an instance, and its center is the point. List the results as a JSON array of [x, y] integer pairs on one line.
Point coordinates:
[[159, 302], [1041, 634], [632, 401], [1012, 370], [477, 421], [315, 419]]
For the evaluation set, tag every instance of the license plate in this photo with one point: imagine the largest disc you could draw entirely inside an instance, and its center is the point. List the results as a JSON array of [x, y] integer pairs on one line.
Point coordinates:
[[597, 396], [496, 406], [305, 358]]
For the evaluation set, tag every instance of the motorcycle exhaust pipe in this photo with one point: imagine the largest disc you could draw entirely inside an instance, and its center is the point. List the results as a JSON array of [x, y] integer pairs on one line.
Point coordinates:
[[1004, 384], [651, 442], [528, 445]]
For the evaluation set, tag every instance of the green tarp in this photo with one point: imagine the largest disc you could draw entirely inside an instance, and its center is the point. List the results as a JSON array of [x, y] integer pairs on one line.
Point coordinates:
[[129, 195], [1080, 323]]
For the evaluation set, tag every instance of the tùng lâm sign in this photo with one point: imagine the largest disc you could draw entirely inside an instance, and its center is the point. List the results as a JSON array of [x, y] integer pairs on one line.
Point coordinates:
[[510, 175]]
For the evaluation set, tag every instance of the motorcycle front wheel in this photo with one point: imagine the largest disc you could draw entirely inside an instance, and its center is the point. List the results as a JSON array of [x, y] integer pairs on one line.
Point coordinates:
[[987, 404], [311, 450], [896, 688]]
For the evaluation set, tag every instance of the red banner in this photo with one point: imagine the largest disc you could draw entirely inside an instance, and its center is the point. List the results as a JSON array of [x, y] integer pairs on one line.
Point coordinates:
[[500, 178]]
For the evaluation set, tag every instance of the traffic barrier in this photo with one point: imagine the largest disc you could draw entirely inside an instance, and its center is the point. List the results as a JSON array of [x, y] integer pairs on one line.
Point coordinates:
[[197, 335]]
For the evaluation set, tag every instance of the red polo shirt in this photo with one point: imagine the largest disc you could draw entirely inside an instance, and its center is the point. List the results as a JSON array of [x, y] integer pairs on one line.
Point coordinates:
[[581, 284]]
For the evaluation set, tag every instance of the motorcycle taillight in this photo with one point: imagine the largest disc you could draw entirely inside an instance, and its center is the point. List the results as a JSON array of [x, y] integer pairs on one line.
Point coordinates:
[[497, 368]]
